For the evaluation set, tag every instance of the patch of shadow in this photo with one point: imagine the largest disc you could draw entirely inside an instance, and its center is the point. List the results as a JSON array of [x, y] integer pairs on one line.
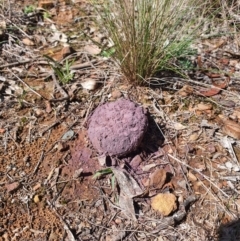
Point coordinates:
[[109, 161], [153, 138], [86, 174], [164, 79], [229, 231]]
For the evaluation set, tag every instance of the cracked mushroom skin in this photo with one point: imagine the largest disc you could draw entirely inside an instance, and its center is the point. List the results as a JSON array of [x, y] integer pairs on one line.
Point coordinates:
[[117, 128]]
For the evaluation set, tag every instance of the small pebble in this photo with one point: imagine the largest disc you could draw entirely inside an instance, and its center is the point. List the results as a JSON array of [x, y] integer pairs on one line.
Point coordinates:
[[116, 94], [236, 169], [229, 165]]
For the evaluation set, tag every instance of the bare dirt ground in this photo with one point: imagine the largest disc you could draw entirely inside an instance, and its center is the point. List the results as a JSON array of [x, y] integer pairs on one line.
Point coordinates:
[[47, 163]]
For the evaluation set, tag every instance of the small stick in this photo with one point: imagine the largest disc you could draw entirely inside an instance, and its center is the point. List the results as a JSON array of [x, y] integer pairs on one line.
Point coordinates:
[[86, 117], [13, 139], [24, 33], [35, 61], [65, 225], [85, 65], [62, 91], [35, 92], [59, 121], [52, 125], [185, 164], [14, 64], [42, 155]]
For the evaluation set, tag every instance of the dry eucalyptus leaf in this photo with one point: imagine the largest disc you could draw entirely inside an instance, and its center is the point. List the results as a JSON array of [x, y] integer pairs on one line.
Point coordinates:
[[237, 113], [57, 36], [165, 203], [37, 186], [185, 91], [178, 126], [158, 178], [48, 106], [128, 186], [146, 168], [3, 25], [202, 106], [89, 84], [126, 205], [215, 88], [47, 4], [199, 165], [11, 187], [227, 103], [116, 94], [231, 128], [209, 92], [92, 49], [193, 137], [197, 187], [2, 131], [191, 177], [27, 42], [59, 54]]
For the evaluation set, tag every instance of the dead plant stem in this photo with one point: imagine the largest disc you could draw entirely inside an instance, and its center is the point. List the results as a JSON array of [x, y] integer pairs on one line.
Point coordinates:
[[204, 176], [65, 225], [42, 154], [61, 90], [35, 92], [23, 32]]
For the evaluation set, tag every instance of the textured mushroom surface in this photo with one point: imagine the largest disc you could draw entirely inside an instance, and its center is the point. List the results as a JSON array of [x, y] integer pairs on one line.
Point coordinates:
[[117, 128]]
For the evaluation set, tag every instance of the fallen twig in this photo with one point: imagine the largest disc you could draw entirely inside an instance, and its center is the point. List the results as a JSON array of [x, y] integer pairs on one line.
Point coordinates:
[[62, 91], [85, 65], [14, 64], [65, 226], [16, 26], [41, 156], [206, 177], [212, 183], [35, 92]]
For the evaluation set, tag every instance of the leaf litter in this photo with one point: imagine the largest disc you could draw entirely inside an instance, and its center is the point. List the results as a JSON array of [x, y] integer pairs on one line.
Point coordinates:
[[50, 187]]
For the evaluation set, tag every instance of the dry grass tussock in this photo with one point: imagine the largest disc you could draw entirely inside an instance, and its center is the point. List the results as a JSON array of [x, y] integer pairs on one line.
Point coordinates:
[[146, 35]]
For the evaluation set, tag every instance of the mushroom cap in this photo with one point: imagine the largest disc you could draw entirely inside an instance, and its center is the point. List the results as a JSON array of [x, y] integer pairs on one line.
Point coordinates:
[[117, 128]]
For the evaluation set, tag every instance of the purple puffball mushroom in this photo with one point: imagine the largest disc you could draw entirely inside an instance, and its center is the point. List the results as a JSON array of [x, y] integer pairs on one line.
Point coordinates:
[[117, 128]]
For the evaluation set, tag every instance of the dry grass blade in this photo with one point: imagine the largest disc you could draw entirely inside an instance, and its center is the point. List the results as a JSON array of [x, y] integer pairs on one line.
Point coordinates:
[[212, 184], [148, 34]]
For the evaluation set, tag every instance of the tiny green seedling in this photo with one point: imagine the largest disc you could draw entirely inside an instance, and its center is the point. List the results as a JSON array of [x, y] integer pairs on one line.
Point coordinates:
[[24, 120], [21, 98], [63, 72], [108, 52], [46, 15], [29, 9], [183, 57], [185, 64], [105, 172], [102, 172]]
